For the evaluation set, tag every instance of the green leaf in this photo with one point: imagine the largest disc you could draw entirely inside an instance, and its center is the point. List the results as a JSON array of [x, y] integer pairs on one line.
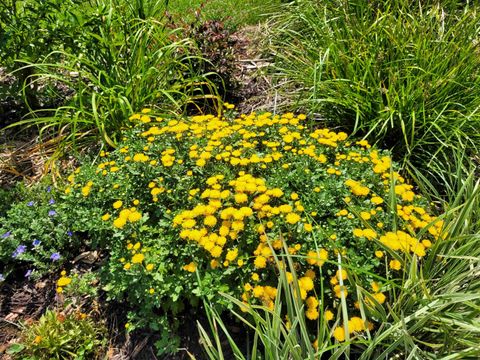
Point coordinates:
[[15, 349]]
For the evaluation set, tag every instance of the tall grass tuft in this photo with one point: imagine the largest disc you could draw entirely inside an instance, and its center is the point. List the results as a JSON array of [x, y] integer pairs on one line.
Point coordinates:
[[404, 74], [126, 60]]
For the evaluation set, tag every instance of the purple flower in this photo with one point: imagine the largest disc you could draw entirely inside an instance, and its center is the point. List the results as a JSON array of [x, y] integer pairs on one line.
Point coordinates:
[[7, 234], [69, 233], [51, 202], [31, 203], [36, 242], [19, 250], [55, 256], [2, 278], [28, 273], [52, 213], [49, 188]]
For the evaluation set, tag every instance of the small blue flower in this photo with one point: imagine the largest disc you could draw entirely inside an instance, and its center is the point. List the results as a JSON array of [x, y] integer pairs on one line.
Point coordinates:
[[19, 250], [69, 233], [36, 242], [52, 213], [55, 256], [28, 273], [49, 188], [2, 278], [7, 234], [51, 202], [31, 203]]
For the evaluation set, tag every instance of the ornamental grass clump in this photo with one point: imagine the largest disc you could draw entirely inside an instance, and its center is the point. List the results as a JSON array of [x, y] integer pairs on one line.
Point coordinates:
[[404, 74], [193, 206]]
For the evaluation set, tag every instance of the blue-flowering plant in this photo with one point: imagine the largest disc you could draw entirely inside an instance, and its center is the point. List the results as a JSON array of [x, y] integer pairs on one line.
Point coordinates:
[[34, 235]]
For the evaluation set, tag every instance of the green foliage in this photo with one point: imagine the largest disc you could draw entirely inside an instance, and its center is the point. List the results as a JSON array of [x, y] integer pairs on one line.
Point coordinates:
[[123, 57], [401, 73], [234, 14], [62, 336], [29, 30], [32, 232]]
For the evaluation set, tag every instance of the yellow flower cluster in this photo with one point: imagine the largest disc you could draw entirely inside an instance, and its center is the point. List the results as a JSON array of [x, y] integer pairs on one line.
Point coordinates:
[[131, 215], [252, 187], [402, 241], [63, 281]]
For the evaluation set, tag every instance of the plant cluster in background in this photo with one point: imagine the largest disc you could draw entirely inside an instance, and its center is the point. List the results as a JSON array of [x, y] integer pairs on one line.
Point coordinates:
[[216, 47]]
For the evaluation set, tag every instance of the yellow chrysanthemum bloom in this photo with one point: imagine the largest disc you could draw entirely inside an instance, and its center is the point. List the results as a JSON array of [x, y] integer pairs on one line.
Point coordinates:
[[138, 258], [117, 204]]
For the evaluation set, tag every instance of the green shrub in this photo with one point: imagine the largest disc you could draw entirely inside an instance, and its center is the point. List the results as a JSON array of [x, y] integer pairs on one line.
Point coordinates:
[[404, 75], [223, 196]]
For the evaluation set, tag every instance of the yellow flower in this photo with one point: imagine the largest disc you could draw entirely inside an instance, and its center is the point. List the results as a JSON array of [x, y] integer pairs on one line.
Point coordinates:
[[258, 291], [395, 264], [292, 218], [119, 222], [138, 258], [216, 251], [341, 274], [106, 217], [317, 257], [379, 254], [380, 297], [117, 204], [64, 281], [134, 216], [328, 315], [308, 227], [37, 340], [241, 198], [210, 221], [358, 232], [231, 254], [86, 190], [260, 262], [377, 200], [312, 302], [312, 313], [127, 266], [365, 215], [355, 324], [149, 267], [339, 333], [306, 283], [151, 291], [375, 286]]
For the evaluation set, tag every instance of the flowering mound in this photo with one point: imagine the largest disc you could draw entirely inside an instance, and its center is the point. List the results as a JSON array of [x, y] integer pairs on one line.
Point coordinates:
[[228, 198]]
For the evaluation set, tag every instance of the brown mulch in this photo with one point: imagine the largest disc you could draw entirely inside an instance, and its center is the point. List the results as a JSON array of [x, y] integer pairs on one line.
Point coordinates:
[[22, 303], [254, 92]]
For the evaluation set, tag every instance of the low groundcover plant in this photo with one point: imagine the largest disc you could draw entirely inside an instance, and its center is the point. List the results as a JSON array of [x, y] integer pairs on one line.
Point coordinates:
[[224, 196]]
